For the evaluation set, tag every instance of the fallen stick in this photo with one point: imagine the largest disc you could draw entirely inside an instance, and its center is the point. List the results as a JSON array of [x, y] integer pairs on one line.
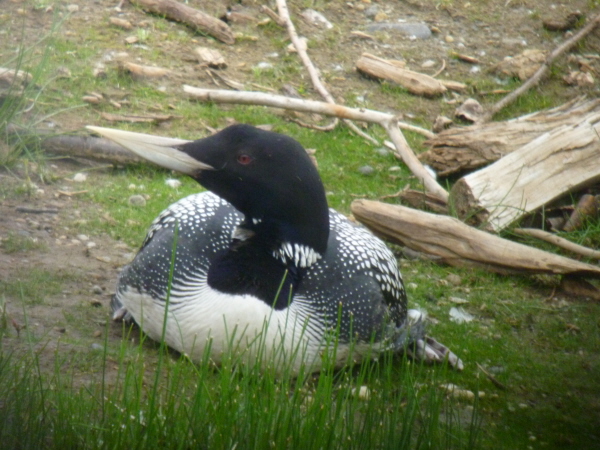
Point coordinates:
[[559, 242], [460, 245], [194, 18], [535, 78], [31, 210], [416, 83], [387, 121]]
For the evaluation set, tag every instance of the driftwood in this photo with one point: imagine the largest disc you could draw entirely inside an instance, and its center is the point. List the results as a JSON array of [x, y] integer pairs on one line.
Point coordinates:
[[141, 71], [465, 148], [146, 118], [554, 164], [387, 121], [9, 77], [96, 149], [194, 18], [414, 82], [210, 57], [586, 209], [458, 244], [559, 242]]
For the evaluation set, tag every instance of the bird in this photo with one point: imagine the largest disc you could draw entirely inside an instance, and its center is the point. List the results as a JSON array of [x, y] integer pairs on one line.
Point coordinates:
[[259, 266]]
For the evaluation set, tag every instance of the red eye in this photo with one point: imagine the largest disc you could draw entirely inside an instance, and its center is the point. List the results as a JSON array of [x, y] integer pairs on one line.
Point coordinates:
[[244, 159]]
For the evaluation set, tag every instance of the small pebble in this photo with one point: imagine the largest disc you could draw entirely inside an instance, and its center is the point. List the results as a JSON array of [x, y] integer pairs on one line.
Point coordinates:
[[80, 177], [382, 151], [83, 237], [73, 8], [96, 346], [264, 65], [173, 183], [454, 279], [137, 200], [366, 170], [449, 39], [97, 290]]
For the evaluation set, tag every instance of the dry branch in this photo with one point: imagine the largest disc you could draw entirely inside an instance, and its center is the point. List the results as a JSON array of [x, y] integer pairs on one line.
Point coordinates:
[[387, 121], [414, 82], [464, 148], [141, 71], [552, 165], [460, 245], [565, 46], [194, 18], [559, 242]]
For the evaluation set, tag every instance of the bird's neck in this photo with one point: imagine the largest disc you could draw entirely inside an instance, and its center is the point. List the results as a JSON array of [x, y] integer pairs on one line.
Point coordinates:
[[250, 267]]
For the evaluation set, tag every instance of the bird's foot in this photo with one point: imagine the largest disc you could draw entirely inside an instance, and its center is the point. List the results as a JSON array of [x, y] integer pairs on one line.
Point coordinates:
[[431, 351]]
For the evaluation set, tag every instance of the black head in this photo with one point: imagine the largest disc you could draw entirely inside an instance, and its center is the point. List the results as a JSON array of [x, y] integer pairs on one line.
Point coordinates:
[[269, 178]]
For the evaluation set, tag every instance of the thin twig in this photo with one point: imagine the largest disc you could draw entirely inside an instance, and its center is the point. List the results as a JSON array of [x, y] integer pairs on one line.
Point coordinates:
[[559, 242], [535, 78], [492, 378], [312, 71], [273, 15], [441, 69]]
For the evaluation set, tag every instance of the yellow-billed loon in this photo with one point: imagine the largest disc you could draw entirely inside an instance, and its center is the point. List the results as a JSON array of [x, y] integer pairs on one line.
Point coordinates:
[[261, 258]]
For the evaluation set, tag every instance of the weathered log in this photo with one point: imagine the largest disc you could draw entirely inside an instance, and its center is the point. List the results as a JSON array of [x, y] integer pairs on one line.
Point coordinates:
[[458, 244], [194, 18], [96, 149], [552, 165], [414, 82], [466, 148]]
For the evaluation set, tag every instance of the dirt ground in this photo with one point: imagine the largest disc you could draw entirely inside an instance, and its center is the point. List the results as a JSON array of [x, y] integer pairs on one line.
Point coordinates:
[[88, 265]]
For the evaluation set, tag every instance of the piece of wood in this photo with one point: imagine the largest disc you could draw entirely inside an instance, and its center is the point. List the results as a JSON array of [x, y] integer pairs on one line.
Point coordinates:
[[141, 71], [416, 83], [194, 18], [460, 245], [9, 77], [210, 57], [96, 149], [459, 149], [423, 201], [586, 209], [146, 118], [552, 165], [559, 242]]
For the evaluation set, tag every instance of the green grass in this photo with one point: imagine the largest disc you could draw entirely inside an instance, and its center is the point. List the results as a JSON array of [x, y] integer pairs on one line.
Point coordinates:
[[165, 401], [16, 243]]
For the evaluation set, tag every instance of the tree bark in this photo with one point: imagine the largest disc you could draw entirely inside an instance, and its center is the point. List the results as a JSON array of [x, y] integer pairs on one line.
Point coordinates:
[[552, 165], [460, 149]]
